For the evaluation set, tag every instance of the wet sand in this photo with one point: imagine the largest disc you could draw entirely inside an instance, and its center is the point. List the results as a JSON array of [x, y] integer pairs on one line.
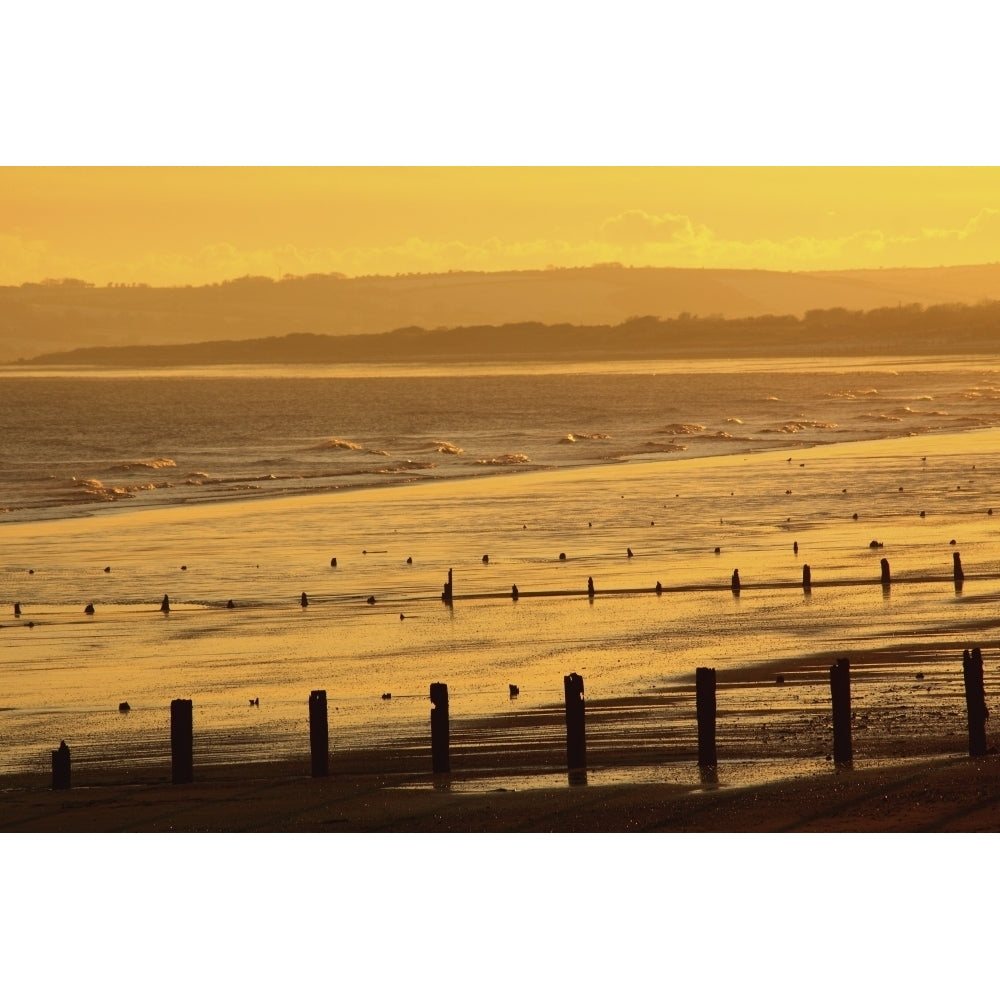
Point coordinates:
[[931, 794], [911, 772]]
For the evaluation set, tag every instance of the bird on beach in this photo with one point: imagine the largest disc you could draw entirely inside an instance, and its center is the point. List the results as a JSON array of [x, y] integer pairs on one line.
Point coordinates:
[[303, 600]]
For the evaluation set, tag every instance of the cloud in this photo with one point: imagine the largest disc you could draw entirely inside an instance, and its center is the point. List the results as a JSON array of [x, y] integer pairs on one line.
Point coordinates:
[[637, 228], [633, 237]]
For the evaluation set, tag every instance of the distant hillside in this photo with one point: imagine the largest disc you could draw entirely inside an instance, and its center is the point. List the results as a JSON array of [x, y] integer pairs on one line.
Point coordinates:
[[890, 332], [61, 315]]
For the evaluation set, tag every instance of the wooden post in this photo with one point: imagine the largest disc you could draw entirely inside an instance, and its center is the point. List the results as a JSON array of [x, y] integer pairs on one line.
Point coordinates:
[[61, 767], [448, 592], [182, 741], [886, 577], [440, 762], [704, 685], [319, 734], [576, 736], [806, 578], [975, 701], [959, 574], [735, 584], [840, 690]]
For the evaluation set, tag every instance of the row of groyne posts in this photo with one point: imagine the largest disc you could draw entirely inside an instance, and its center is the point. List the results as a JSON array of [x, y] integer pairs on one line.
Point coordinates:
[[182, 725]]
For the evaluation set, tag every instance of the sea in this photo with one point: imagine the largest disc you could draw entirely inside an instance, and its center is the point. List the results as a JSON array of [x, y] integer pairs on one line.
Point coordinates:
[[301, 524]]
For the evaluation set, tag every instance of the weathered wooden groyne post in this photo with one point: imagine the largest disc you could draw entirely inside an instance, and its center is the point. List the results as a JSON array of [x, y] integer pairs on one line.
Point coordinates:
[[806, 578], [957, 570], [182, 741], [704, 686], [319, 734], [886, 575], [61, 767], [576, 736], [975, 701], [440, 763], [735, 583], [840, 692], [447, 594]]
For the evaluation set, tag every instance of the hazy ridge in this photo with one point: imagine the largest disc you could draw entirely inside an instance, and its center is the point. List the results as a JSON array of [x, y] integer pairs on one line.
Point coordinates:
[[57, 316], [899, 331]]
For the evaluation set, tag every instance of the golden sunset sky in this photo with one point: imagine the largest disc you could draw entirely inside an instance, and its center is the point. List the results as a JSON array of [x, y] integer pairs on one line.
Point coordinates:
[[737, 84], [176, 226]]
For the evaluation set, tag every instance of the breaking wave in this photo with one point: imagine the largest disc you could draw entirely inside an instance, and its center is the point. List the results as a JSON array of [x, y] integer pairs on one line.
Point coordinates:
[[573, 438], [517, 459], [797, 426], [339, 443], [148, 463], [682, 429], [447, 448]]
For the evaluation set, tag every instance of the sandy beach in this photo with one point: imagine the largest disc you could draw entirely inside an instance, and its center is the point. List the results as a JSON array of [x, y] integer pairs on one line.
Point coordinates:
[[912, 772], [375, 624]]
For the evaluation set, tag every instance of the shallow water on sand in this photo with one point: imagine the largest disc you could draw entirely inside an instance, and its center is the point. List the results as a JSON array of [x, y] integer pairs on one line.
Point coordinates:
[[63, 678]]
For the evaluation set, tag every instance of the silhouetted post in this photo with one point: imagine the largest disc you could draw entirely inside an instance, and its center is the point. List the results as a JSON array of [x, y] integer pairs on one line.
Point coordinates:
[[704, 686], [736, 581], [576, 736], [959, 575], [886, 577], [806, 578], [319, 734], [61, 767], [840, 690], [440, 763], [975, 701], [182, 741], [447, 595]]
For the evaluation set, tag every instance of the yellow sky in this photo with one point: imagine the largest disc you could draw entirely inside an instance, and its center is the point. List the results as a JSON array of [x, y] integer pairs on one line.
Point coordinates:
[[198, 225]]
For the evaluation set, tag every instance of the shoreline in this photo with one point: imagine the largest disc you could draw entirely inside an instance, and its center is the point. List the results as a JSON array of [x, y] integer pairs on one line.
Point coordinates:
[[911, 771], [500, 478], [936, 793]]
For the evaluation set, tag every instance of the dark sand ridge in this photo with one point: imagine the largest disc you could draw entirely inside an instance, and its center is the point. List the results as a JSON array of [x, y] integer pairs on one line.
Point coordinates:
[[911, 772]]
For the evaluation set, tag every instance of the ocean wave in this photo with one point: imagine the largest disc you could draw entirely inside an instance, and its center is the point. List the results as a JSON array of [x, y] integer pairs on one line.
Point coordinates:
[[682, 429], [722, 436], [796, 426], [909, 411], [405, 466], [659, 447], [849, 393], [517, 459], [573, 438], [733, 420], [338, 443], [447, 448], [94, 489], [149, 463]]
